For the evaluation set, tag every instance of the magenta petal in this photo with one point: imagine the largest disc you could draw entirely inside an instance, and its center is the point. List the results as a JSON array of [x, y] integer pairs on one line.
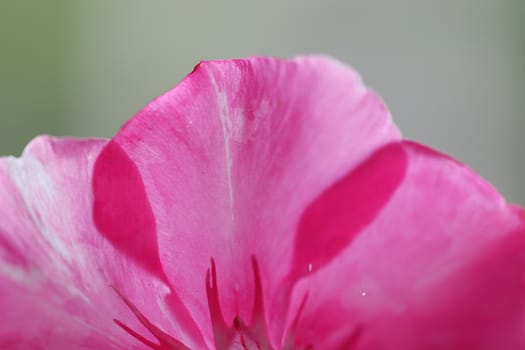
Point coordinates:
[[131, 228], [440, 267], [58, 275], [330, 222], [230, 159]]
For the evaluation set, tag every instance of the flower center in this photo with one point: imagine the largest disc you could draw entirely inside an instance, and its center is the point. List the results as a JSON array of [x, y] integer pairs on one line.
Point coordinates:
[[239, 335]]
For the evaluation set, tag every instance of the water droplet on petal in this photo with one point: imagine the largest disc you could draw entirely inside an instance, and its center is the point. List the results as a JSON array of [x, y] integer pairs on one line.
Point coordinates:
[[310, 267]]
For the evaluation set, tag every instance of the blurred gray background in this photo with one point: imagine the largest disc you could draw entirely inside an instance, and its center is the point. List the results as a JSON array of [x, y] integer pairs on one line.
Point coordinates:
[[451, 71]]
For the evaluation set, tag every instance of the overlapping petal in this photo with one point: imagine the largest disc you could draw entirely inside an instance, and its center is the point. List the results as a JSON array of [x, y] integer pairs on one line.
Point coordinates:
[[59, 278], [440, 267], [230, 159]]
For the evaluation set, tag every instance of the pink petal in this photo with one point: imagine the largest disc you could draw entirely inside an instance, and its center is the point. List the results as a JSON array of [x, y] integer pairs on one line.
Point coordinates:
[[229, 160], [58, 275], [132, 228], [352, 204], [442, 266]]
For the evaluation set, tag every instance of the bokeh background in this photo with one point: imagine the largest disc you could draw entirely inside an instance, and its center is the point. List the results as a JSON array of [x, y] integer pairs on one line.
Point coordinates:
[[451, 71]]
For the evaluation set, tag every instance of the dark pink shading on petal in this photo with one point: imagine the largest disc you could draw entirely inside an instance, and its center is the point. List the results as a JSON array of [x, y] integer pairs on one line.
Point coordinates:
[[330, 223], [121, 209], [441, 267]]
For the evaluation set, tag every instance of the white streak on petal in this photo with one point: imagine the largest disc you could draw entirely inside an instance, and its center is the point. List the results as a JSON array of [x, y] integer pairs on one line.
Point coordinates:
[[226, 126], [28, 173]]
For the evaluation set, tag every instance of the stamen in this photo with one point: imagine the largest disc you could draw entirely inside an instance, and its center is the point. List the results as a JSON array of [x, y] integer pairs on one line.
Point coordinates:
[[167, 342], [300, 311], [222, 333], [237, 325], [290, 339], [136, 335], [258, 319], [258, 302], [253, 335]]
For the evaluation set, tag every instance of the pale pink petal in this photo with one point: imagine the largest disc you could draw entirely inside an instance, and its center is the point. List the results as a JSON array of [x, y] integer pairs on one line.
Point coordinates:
[[60, 279], [229, 160], [442, 266]]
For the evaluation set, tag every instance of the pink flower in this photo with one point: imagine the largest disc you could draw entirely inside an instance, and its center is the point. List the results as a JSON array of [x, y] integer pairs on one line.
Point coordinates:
[[261, 204]]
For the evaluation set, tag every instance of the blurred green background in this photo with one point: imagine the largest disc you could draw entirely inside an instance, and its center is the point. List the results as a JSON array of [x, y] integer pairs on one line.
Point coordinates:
[[451, 71]]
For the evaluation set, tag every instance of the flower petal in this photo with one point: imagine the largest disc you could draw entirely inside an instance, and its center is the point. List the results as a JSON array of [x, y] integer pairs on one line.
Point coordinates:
[[230, 159], [330, 222], [58, 275], [131, 228], [440, 267]]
